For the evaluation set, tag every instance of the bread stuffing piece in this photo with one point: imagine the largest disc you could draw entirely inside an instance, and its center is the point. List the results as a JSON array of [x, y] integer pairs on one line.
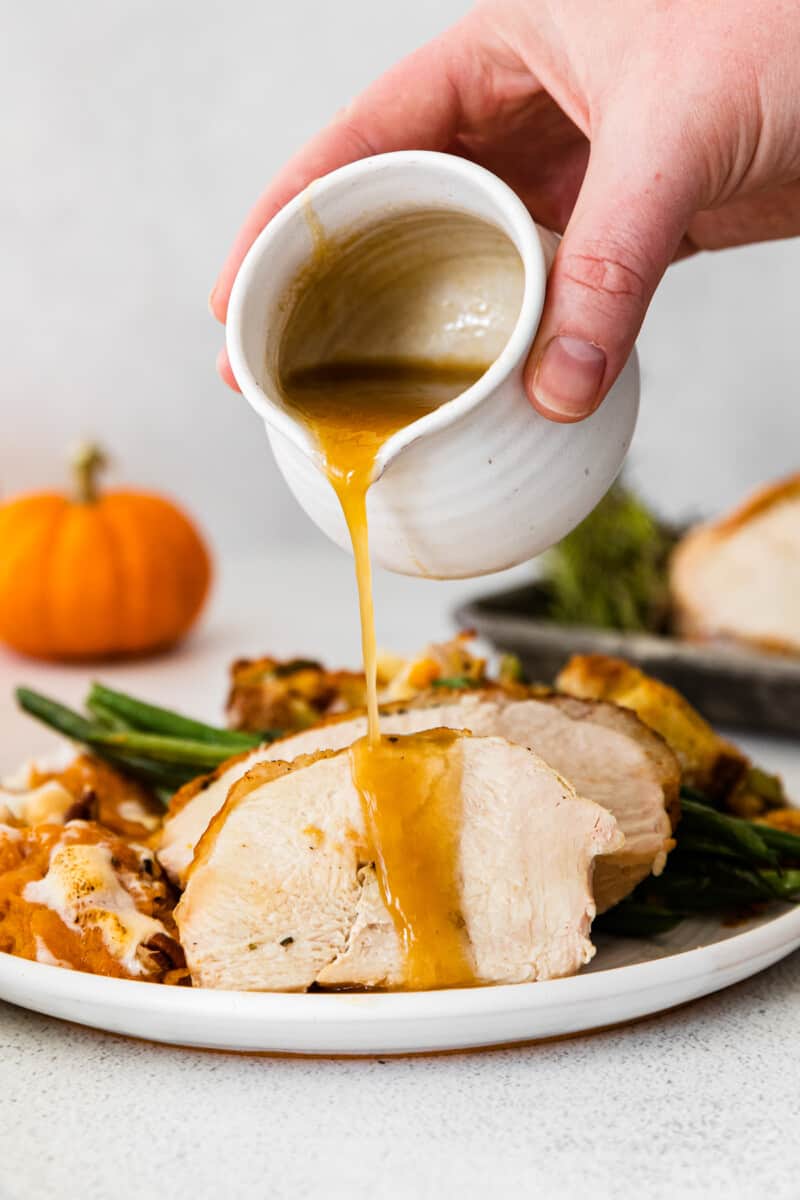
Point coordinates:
[[270, 694], [453, 662], [76, 895], [269, 907]]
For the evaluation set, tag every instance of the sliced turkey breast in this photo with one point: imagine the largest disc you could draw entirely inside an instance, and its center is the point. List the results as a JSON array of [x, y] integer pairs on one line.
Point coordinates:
[[193, 806], [739, 578], [283, 891], [606, 753]]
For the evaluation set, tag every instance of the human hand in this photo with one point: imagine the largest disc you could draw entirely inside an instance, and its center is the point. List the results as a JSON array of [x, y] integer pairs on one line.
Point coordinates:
[[644, 129]]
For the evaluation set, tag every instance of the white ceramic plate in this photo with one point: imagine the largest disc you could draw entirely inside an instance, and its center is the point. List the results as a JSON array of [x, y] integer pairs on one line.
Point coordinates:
[[627, 979]]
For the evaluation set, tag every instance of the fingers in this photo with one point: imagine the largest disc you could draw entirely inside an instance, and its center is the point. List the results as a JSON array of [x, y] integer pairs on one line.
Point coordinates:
[[758, 217], [623, 233], [224, 370], [415, 105]]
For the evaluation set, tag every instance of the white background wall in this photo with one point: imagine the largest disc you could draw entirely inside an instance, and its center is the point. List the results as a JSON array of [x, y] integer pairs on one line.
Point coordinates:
[[134, 136]]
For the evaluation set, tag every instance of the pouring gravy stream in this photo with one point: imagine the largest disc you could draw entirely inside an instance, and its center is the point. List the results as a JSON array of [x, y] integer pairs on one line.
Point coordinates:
[[410, 787]]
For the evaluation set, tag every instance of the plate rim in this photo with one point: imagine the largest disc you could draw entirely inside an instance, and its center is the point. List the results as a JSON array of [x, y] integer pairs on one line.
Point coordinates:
[[715, 958]]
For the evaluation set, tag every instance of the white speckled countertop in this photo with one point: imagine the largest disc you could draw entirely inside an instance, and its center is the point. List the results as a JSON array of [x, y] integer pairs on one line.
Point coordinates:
[[701, 1102]]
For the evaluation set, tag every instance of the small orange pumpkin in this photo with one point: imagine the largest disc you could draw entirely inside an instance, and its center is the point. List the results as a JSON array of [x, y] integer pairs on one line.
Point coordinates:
[[95, 576]]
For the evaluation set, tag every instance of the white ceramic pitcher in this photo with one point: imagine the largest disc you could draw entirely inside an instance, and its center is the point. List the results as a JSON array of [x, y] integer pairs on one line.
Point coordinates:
[[483, 482]]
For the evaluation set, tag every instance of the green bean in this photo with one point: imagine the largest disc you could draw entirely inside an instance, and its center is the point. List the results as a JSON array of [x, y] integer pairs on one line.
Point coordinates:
[[171, 750], [634, 919], [151, 719], [781, 840], [706, 847], [56, 715], [105, 717], [132, 753], [785, 884], [731, 831]]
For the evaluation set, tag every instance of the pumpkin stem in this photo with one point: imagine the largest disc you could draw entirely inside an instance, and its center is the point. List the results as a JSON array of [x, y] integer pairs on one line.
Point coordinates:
[[86, 460]]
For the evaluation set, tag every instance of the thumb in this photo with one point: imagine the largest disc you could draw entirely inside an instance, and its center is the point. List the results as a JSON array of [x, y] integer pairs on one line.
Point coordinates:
[[622, 235]]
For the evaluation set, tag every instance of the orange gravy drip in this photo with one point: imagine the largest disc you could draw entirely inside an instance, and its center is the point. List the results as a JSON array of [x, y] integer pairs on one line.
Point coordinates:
[[411, 794], [410, 787], [352, 409]]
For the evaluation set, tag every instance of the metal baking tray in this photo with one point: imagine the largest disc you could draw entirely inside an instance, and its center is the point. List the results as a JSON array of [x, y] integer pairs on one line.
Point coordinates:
[[730, 685]]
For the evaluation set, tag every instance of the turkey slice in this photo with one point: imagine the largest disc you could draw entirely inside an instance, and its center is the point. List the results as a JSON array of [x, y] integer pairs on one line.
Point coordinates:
[[605, 752], [283, 891]]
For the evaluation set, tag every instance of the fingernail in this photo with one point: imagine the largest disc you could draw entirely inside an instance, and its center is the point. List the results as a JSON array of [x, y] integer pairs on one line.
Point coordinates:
[[568, 377]]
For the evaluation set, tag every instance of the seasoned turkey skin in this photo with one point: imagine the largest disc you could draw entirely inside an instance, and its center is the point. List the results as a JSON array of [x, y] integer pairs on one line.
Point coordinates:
[[282, 893], [739, 578], [606, 753]]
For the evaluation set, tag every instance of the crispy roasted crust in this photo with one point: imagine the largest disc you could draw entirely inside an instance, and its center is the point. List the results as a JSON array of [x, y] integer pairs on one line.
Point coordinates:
[[194, 786], [426, 699], [263, 772], [708, 762]]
